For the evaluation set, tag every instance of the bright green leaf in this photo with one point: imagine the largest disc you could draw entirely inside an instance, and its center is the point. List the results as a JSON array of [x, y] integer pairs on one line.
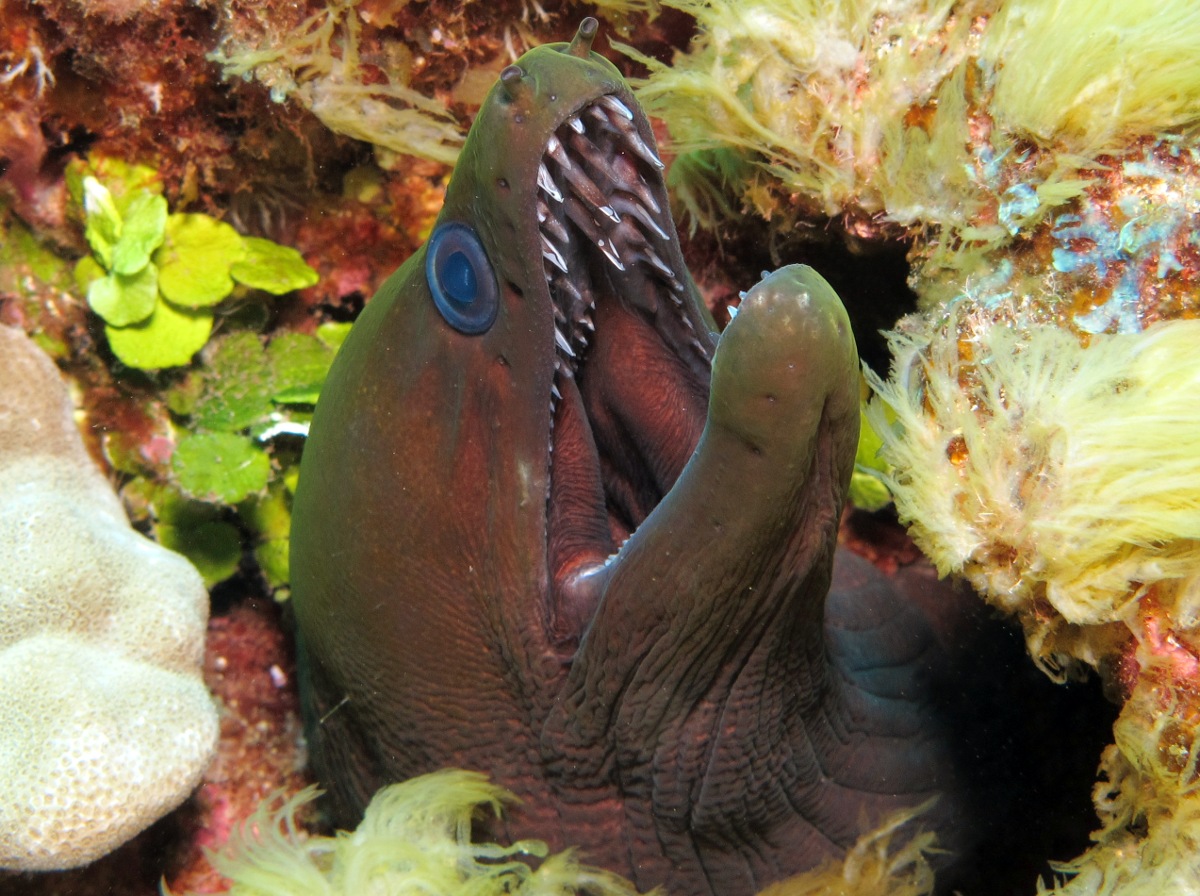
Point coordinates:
[[194, 260], [272, 557], [269, 515], [867, 488], [291, 478], [123, 300], [237, 386], [145, 221], [87, 269], [298, 362], [272, 267], [298, 394], [214, 547], [102, 226], [122, 178], [334, 333], [168, 338], [220, 467]]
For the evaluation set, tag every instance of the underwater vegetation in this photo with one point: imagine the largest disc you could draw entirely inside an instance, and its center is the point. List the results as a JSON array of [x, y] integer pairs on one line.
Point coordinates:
[[1036, 161]]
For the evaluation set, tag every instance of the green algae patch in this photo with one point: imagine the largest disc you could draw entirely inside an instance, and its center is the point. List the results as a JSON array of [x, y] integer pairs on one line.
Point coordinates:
[[220, 467], [868, 488], [245, 409], [271, 267], [196, 258], [168, 338], [155, 278]]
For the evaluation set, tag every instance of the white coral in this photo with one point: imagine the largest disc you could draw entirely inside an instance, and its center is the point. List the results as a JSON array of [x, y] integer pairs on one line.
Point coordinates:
[[105, 723]]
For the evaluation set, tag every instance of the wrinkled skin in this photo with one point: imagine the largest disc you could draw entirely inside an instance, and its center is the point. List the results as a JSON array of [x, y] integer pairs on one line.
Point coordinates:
[[705, 710]]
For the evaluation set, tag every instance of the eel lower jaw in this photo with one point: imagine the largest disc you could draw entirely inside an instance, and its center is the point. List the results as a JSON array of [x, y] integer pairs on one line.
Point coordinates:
[[624, 329]]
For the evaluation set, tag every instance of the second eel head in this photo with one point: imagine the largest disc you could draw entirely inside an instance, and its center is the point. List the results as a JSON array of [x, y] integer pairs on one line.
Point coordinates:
[[544, 531]]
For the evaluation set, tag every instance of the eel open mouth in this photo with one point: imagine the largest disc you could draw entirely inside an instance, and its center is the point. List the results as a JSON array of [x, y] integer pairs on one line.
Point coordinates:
[[633, 355]]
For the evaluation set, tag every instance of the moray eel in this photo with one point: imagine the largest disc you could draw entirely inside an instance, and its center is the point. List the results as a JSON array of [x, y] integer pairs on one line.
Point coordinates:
[[549, 529]]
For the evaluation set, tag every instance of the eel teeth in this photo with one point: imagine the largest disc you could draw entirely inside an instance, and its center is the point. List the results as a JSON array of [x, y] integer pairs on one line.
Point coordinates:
[[628, 206], [657, 263], [643, 150], [561, 341], [583, 187], [610, 252], [597, 170], [551, 253], [546, 182], [554, 149], [611, 102]]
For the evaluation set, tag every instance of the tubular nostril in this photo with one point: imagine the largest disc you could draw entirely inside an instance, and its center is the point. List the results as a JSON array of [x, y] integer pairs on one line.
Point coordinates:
[[512, 79], [581, 44]]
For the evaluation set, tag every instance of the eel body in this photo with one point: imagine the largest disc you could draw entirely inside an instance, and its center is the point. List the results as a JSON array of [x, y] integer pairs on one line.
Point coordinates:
[[548, 528]]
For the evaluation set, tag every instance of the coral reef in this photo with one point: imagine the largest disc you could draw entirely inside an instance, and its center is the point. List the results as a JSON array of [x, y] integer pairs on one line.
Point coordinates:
[[101, 637], [1037, 159]]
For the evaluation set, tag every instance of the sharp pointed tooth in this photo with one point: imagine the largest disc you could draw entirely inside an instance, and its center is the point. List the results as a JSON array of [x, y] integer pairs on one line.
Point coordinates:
[[575, 124], [587, 324], [657, 263], [554, 391], [546, 182], [610, 252], [555, 151], [561, 341], [639, 213], [554, 226], [551, 254], [583, 187], [611, 102], [542, 212], [600, 117], [628, 130]]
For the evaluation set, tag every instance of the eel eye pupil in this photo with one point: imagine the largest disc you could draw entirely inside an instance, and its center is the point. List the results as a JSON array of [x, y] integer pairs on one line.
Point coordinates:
[[458, 278], [461, 279]]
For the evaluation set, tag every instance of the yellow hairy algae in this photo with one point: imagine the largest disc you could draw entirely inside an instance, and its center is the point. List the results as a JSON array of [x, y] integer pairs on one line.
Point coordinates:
[[1048, 471], [912, 109], [415, 837]]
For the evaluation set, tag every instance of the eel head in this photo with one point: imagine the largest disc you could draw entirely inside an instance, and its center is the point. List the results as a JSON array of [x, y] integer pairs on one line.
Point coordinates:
[[542, 531]]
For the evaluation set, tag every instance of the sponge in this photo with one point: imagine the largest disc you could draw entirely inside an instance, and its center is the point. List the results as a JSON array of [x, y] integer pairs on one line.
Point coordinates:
[[105, 723]]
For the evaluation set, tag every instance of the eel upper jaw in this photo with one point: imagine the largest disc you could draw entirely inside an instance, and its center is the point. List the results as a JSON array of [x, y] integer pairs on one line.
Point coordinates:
[[626, 324]]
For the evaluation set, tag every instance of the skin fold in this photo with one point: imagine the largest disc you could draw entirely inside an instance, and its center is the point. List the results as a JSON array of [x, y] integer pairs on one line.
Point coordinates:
[[725, 701]]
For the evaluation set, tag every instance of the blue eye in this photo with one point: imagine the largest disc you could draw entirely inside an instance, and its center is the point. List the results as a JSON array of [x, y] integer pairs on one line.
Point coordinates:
[[461, 279]]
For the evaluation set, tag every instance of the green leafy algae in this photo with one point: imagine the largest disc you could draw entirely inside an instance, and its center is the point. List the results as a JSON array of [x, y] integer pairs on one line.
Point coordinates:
[[155, 278]]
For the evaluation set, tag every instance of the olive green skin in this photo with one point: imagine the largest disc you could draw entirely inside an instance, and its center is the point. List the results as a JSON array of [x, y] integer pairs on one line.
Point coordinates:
[[717, 722]]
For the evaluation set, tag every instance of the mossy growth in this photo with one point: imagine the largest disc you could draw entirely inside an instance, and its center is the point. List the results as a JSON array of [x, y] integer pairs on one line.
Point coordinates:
[[154, 277], [415, 837], [210, 458], [241, 416]]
